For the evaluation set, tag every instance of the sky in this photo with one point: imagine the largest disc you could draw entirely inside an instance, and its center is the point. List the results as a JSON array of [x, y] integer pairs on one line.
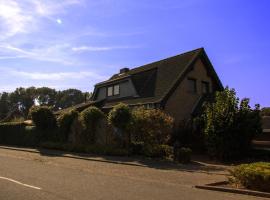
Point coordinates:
[[78, 43]]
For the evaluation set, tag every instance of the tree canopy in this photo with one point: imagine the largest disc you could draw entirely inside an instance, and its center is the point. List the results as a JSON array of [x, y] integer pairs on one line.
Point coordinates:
[[22, 99]]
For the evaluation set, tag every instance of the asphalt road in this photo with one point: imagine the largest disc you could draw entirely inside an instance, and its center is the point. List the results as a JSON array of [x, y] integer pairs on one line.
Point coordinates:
[[25, 176]]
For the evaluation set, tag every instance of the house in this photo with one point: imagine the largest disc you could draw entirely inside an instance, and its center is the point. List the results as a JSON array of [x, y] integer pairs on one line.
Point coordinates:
[[176, 85]]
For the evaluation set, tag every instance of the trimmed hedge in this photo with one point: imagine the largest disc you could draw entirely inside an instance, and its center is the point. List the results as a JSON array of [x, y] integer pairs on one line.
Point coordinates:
[[253, 176], [64, 122], [43, 117], [17, 133]]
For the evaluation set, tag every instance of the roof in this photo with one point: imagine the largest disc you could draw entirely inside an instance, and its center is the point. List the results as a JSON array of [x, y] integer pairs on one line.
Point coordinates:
[[155, 82]]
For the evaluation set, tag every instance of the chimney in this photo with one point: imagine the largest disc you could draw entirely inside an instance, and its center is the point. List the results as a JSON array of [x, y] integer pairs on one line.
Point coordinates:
[[124, 70]]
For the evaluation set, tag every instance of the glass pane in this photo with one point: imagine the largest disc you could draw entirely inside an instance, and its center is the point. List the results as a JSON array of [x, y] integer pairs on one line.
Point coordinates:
[[116, 90], [110, 91]]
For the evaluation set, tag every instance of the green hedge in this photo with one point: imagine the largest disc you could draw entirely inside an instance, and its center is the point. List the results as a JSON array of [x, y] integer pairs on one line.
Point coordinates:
[[17, 133], [254, 176]]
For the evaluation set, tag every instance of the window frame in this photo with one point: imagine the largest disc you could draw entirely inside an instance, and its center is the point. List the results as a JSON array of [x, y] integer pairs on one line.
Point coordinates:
[[207, 88], [113, 90], [195, 88]]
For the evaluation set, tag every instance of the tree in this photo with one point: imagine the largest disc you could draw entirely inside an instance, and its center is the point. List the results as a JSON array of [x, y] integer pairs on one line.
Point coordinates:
[[4, 105], [46, 96], [230, 126], [23, 99], [68, 98]]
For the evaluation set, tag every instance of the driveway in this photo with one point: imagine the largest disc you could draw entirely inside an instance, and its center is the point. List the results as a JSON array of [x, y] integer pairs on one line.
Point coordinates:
[[29, 175]]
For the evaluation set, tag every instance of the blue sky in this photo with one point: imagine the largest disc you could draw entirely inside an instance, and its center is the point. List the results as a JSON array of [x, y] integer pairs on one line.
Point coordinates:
[[77, 43]]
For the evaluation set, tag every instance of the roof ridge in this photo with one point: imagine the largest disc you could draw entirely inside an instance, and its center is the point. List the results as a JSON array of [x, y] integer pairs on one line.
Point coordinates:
[[181, 54]]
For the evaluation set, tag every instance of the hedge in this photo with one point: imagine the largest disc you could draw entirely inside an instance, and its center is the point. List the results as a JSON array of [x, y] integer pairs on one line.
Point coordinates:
[[254, 176], [17, 133]]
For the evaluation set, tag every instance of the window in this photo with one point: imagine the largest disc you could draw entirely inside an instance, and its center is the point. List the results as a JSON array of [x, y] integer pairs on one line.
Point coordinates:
[[192, 85], [113, 90], [110, 91], [116, 90], [205, 87]]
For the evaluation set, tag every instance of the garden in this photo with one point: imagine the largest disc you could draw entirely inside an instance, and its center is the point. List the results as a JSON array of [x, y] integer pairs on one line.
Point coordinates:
[[223, 130]]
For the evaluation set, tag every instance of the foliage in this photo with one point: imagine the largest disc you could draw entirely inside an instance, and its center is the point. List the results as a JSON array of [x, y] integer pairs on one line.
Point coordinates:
[[4, 105], [17, 133], [64, 124], [120, 116], [157, 151], [22, 99], [183, 155], [151, 126], [43, 117], [230, 126], [265, 111], [190, 134], [90, 118], [253, 176], [68, 98]]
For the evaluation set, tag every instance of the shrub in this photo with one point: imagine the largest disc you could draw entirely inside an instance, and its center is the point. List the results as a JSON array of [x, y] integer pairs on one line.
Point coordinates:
[[90, 118], [230, 126], [65, 121], [120, 117], [16, 133], [137, 148], [183, 155], [157, 151], [253, 176], [151, 126], [43, 117]]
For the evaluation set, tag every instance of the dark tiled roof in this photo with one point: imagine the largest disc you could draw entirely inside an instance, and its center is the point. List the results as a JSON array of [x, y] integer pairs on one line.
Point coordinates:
[[153, 81]]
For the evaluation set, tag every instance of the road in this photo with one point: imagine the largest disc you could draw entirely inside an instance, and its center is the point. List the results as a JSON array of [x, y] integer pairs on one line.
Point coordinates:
[[25, 176]]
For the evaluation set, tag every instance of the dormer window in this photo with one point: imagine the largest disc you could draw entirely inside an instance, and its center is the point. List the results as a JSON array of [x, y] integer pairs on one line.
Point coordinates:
[[113, 90]]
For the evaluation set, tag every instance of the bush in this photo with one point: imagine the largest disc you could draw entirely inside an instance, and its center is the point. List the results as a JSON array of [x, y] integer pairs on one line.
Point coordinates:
[[120, 117], [253, 176], [16, 133], [230, 126], [65, 121], [90, 118], [183, 155], [43, 117], [157, 151], [137, 148], [151, 126]]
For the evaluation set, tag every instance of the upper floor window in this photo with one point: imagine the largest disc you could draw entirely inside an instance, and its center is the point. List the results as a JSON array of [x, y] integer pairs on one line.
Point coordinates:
[[113, 90], [192, 85], [205, 87]]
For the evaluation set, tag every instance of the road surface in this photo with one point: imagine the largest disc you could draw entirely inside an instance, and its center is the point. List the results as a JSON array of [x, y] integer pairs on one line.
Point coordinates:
[[25, 176]]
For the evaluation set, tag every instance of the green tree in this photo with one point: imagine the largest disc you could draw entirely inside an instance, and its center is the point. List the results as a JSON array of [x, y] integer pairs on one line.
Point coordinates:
[[68, 98], [46, 96], [230, 126], [4, 105], [23, 99]]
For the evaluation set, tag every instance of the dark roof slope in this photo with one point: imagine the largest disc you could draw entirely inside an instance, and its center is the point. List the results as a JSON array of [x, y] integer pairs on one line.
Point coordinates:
[[156, 80]]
